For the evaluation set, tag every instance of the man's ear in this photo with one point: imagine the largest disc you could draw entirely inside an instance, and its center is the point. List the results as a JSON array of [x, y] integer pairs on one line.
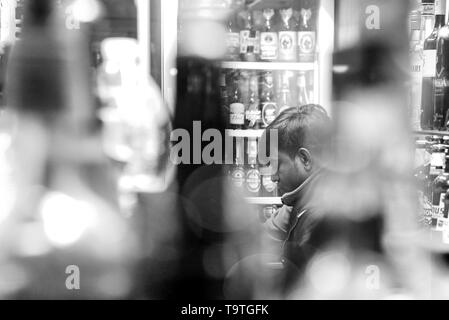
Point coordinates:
[[305, 157]]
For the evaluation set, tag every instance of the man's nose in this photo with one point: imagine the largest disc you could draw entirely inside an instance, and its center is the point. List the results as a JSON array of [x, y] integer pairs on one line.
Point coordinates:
[[275, 177]]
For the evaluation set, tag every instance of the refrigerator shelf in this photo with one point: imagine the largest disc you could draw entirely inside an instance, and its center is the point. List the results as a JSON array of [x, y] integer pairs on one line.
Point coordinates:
[[283, 66], [264, 200], [245, 133], [431, 133]]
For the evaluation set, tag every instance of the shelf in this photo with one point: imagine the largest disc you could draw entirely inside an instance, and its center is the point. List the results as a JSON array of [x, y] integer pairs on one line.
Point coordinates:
[[245, 133], [432, 133], [264, 201], [287, 66]]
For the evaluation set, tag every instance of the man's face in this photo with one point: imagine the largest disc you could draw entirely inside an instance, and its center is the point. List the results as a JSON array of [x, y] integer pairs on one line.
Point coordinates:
[[290, 174]]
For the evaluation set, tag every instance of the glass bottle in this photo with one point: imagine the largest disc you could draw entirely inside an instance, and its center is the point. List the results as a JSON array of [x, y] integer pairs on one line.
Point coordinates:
[[287, 37], [306, 37], [268, 38], [267, 99], [249, 40]]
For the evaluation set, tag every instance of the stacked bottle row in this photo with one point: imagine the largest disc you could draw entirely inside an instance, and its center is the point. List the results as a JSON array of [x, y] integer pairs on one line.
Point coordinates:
[[253, 99], [269, 35], [246, 174], [429, 55], [432, 178]]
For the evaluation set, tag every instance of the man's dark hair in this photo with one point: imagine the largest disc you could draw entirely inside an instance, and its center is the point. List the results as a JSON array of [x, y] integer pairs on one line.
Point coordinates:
[[307, 126]]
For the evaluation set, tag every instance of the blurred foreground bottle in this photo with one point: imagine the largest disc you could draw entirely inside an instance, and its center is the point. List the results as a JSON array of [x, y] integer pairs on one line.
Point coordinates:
[[136, 123], [64, 230]]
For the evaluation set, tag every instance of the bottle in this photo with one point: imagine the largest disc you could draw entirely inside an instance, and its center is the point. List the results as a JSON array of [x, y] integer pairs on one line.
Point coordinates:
[[233, 40], [439, 188], [267, 99], [441, 84], [224, 97], [253, 179], [287, 37], [416, 60], [249, 40], [428, 17], [236, 108], [268, 38], [285, 96], [134, 134], [303, 96], [306, 37], [237, 172], [429, 64], [253, 114], [269, 188], [437, 160]]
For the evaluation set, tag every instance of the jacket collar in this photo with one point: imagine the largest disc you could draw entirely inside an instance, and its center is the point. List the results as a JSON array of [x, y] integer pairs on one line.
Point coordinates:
[[291, 198]]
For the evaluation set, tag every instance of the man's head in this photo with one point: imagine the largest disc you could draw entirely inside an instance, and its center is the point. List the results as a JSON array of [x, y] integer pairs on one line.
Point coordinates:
[[303, 135]]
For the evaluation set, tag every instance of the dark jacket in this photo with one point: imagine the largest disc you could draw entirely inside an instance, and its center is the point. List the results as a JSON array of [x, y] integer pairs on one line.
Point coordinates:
[[294, 223]]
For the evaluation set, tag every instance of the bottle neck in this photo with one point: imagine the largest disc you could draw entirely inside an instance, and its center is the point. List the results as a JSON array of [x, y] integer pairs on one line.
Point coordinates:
[[268, 26], [439, 21]]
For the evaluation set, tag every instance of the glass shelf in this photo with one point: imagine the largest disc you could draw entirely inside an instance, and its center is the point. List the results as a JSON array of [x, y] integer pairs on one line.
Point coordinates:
[[284, 66], [431, 133], [249, 133], [264, 200]]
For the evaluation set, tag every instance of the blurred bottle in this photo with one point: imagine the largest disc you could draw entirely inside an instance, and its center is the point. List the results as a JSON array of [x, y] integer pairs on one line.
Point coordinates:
[[233, 39], [430, 61], [268, 38], [437, 160], [428, 17], [303, 95], [249, 40], [269, 188], [253, 114], [306, 37], [68, 192], [439, 188], [236, 108], [268, 99], [288, 40], [224, 96], [134, 116], [442, 73], [285, 100], [252, 176], [416, 60], [237, 172]]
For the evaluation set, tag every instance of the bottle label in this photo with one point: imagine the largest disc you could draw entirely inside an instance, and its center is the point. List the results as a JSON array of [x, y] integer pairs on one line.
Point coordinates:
[[430, 63], [440, 7], [248, 39], [269, 211], [268, 46], [253, 180], [237, 115], [269, 110], [253, 116], [416, 90], [238, 177], [306, 45], [428, 9], [268, 184], [233, 44], [287, 45]]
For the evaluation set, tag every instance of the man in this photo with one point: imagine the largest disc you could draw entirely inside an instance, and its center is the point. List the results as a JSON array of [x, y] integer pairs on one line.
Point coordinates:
[[303, 138]]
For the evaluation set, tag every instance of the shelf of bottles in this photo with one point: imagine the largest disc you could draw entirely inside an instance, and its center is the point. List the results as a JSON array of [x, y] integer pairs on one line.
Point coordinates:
[[429, 52], [428, 109], [271, 65], [245, 65], [432, 178]]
